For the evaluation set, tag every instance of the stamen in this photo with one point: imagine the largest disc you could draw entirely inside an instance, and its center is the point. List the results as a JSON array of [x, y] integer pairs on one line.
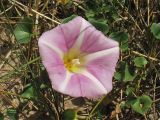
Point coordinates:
[[76, 62]]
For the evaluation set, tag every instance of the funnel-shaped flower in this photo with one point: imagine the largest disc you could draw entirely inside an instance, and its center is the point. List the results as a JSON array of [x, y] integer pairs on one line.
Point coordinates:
[[79, 59]]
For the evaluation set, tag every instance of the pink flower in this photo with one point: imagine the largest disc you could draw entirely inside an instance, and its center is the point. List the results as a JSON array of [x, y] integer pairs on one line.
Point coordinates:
[[79, 59]]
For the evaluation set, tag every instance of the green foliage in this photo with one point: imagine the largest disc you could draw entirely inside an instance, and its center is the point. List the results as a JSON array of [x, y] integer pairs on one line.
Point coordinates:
[[124, 73], [129, 91], [140, 61], [102, 9], [66, 20], [100, 25], [118, 76], [119, 36], [69, 114], [90, 14], [1, 116], [12, 113], [122, 38], [142, 104], [23, 30], [29, 92], [43, 86], [155, 29], [127, 76]]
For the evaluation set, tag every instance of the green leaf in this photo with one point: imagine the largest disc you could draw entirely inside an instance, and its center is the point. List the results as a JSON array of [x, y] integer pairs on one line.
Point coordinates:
[[90, 14], [66, 20], [12, 113], [100, 25], [124, 105], [140, 61], [118, 76], [124, 46], [129, 91], [155, 29], [29, 92], [142, 104], [124, 73], [127, 76], [119, 36], [43, 86], [69, 114], [23, 30], [122, 38], [1, 116]]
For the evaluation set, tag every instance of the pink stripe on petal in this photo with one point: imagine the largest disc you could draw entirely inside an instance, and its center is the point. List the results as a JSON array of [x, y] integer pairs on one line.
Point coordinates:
[[103, 69], [103, 74], [73, 88], [55, 38], [71, 31], [96, 55], [82, 85], [89, 88], [80, 38], [49, 55], [94, 41], [65, 82], [57, 75], [109, 60]]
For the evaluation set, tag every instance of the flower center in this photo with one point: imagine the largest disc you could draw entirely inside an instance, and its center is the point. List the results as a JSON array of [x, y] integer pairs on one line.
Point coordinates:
[[74, 60]]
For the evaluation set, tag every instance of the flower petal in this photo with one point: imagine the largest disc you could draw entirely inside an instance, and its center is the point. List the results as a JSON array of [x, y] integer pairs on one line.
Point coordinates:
[[53, 39], [72, 30], [89, 86], [94, 41], [48, 55], [99, 54], [54, 48], [65, 82], [73, 88], [81, 85], [57, 75], [103, 69], [80, 38], [94, 80]]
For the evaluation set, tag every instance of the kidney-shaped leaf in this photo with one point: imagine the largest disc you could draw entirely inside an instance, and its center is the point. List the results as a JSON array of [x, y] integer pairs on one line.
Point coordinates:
[[121, 37], [12, 113], [23, 30], [69, 114], [140, 61], [142, 104], [100, 25], [1, 116], [29, 92], [155, 29], [127, 76]]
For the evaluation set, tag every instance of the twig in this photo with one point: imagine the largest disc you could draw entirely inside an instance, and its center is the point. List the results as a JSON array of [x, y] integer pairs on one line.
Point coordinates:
[[54, 107], [140, 54], [126, 10], [79, 6], [95, 107], [42, 15], [145, 117], [148, 12], [154, 95], [6, 10], [7, 56]]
